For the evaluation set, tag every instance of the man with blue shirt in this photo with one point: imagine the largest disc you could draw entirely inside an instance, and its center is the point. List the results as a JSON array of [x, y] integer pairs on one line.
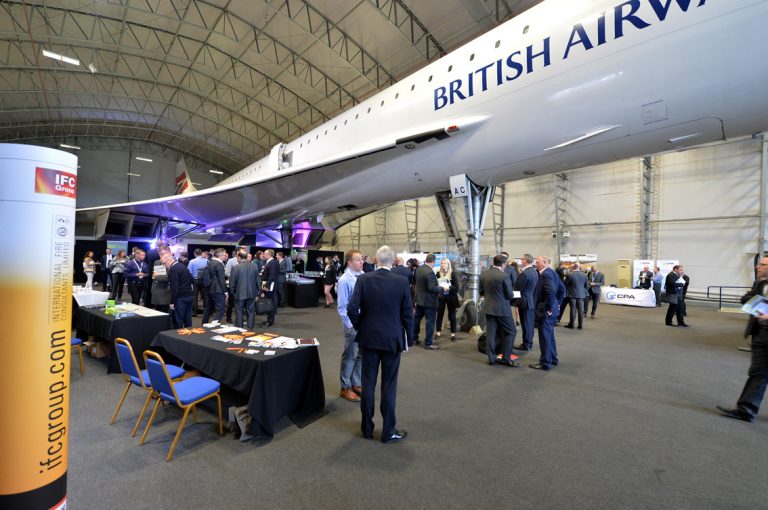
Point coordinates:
[[195, 265], [658, 281], [350, 357]]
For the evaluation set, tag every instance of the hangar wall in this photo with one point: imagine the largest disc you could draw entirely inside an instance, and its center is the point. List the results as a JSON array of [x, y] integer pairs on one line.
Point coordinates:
[[705, 212]]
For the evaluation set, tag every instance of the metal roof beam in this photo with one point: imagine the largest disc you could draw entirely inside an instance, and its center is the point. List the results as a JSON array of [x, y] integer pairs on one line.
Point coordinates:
[[411, 27]]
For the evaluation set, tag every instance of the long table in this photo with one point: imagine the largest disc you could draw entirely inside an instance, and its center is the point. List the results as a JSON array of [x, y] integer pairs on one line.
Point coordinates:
[[140, 331], [289, 383]]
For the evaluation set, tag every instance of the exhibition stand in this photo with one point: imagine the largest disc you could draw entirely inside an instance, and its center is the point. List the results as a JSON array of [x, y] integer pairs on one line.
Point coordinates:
[[289, 382], [645, 298]]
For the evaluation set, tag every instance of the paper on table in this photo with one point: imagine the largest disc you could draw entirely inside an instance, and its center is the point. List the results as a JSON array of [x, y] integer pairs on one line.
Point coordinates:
[[269, 353]]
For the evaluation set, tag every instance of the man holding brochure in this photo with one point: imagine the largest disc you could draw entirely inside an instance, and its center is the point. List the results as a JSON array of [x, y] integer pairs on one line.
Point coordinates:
[[752, 395]]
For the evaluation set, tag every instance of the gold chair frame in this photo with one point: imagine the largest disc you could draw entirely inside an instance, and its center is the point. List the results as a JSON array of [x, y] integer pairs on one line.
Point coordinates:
[[185, 407], [79, 348], [127, 378]]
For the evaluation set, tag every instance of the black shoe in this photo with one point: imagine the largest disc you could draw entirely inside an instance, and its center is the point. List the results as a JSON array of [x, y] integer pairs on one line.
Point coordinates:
[[517, 323], [539, 366], [670, 324], [569, 326], [508, 363], [683, 325], [266, 324], [397, 437], [736, 414], [522, 347], [453, 338], [432, 347], [579, 327], [417, 342], [367, 436]]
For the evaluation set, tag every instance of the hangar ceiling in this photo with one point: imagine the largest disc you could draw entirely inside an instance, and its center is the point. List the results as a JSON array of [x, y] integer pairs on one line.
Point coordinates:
[[221, 81]]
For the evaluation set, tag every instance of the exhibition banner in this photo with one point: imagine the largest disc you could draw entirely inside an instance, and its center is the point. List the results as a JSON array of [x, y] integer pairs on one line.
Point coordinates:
[[631, 297], [37, 212]]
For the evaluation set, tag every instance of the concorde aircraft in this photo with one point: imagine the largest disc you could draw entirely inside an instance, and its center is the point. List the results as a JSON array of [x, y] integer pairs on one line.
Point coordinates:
[[564, 85]]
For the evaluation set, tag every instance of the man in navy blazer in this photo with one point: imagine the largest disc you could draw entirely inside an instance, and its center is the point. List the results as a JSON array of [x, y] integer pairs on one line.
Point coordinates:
[[526, 285], [381, 310], [549, 293]]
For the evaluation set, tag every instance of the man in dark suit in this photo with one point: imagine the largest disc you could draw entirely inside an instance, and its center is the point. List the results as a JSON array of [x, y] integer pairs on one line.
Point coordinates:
[[427, 292], [218, 290], [645, 279], [673, 287], [269, 276], [757, 327], [136, 274], [381, 311], [182, 287], [495, 286], [242, 289], [595, 280], [106, 270], [576, 289], [550, 291], [526, 285], [399, 268]]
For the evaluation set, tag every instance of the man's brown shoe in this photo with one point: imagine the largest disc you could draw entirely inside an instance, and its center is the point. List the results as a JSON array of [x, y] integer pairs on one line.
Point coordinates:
[[348, 394], [358, 390]]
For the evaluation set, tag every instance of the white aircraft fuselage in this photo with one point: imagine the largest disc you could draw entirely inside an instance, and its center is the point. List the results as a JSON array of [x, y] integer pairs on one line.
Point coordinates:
[[564, 85]]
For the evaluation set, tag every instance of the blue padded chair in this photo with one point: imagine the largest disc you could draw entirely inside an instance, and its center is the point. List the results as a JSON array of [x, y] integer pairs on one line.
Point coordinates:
[[135, 377], [78, 344], [186, 394]]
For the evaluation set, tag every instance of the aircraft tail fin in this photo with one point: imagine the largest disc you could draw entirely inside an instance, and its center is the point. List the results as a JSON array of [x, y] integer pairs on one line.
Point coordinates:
[[183, 182]]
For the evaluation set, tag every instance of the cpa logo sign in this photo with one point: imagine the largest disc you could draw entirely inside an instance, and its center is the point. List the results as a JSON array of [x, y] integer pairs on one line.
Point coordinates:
[[610, 295], [55, 182]]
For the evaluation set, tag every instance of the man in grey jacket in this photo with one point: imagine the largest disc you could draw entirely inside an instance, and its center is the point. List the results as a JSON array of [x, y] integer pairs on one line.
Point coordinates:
[[497, 289], [576, 286]]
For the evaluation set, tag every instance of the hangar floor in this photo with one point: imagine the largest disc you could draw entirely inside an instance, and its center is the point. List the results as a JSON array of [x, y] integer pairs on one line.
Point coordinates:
[[626, 421]]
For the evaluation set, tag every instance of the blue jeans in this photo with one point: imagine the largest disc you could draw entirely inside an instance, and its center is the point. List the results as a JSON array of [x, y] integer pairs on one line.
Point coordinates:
[[350, 360], [429, 312], [182, 312]]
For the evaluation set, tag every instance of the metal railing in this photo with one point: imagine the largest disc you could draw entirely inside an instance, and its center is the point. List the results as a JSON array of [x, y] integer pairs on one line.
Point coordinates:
[[732, 298]]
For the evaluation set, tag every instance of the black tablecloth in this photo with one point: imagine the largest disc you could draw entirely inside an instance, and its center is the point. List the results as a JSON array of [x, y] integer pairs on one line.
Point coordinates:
[[302, 295], [288, 383], [140, 331]]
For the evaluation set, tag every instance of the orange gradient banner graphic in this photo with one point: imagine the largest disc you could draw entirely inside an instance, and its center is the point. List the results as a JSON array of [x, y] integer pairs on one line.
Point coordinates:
[[37, 208]]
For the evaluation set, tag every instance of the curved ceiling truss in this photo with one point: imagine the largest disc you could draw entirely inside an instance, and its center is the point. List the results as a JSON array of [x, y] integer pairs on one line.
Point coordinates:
[[222, 81]]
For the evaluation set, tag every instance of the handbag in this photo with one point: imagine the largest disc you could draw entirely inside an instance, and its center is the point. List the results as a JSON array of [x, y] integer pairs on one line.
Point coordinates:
[[669, 298], [264, 305]]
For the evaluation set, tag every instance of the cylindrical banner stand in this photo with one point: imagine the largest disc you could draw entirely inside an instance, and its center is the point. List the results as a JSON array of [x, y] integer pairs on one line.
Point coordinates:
[[37, 216]]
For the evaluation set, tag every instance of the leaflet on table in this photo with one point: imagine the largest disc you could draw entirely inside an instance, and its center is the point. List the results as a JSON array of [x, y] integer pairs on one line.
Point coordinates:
[[139, 310], [159, 270], [307, 341], [227, 329], [756, 306], [227, 339]]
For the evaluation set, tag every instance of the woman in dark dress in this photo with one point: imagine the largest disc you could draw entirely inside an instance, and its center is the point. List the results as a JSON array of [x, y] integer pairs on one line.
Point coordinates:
[[329, 280]]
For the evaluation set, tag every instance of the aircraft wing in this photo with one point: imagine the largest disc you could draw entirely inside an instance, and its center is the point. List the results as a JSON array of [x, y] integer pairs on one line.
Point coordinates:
[[290, 194]]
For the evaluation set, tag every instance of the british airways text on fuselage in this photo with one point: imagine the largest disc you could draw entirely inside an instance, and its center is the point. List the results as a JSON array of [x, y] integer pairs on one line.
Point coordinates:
[[523, 62]]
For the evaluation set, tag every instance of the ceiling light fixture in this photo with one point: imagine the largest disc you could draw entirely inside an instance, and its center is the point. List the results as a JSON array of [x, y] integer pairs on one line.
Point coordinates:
[[67, 146], [217, 172], [133, 174], [62, 58], [139, 158]]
